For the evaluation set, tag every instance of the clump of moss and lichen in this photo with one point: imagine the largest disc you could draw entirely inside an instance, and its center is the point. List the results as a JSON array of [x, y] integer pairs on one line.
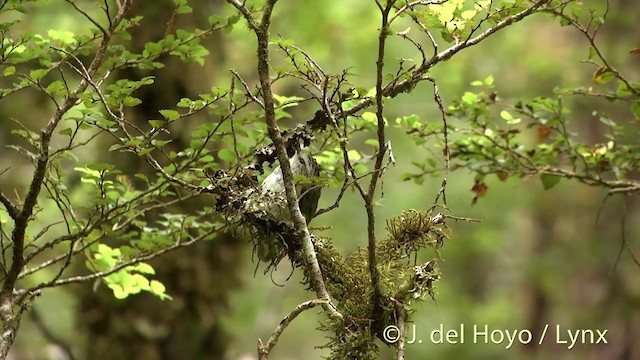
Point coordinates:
[[348, 279], [410, 232], [402, 281], [353, 339]]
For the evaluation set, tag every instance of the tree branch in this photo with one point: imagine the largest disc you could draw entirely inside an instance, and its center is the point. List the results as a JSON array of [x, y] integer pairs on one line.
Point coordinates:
[[401, 316], [311, 262], [394, 89], [246, 13], [447, 152], [12, 210], [376, 293], [265, 349], [8, 316], [101, 274]]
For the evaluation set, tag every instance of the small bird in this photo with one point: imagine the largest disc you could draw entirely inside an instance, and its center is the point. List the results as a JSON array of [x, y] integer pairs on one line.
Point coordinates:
[[302, 164]]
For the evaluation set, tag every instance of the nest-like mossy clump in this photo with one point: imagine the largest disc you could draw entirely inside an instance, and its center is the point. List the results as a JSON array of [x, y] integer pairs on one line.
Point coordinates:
[[411, 231], [348, 280]]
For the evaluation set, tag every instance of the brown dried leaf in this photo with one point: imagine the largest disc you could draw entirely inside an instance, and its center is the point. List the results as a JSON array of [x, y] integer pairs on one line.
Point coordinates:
[[543, 132], [479, 189]]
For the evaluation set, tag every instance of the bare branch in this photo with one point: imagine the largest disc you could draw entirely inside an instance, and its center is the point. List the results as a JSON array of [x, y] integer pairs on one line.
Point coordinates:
[[376, 293], [84, 13], [12, 210], [624, 244], [447, 155], [400, 319], [265, 349], [591, 38], [246, 88]]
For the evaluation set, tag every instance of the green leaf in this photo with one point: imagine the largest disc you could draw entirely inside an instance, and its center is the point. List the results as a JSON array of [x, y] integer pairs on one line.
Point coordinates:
[[483, 4], [118, 291], [170, 115], [469, 98], [9, 70], [412, 120], [549, 181], [115, 147], [505, 115], [370, 117], [468, 14], [282, 101], [598, 21], [372, 142], [603, 75], [227, 155], [151, 49], [88, 171], [67, 37], [406, 176], [184, 9], [185, 103], [489, 80], [133, 142], [130, 101], [160, 143], [623, 90], [354, 155], [360, 168], [147, 80], [509, 118], [145, 268], [38, 74], [56, 88], [156, 123], [215, 20], [158, 289]]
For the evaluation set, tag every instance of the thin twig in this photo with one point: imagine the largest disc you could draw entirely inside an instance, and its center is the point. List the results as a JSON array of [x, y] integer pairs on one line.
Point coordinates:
[[445, 133], [265, 349], [400, 323]]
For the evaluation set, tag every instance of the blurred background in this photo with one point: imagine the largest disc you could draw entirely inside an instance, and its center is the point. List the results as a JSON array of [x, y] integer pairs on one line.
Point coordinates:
[[537, 258]]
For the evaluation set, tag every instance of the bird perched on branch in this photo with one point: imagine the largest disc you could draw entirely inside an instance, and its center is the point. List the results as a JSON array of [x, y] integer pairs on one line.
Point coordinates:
[[304, 167]]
